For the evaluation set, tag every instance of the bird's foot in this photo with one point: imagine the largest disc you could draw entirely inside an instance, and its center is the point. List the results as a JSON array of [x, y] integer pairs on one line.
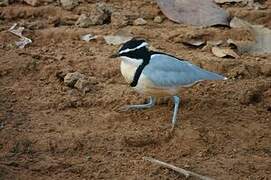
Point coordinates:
[[124, 108], [168, 127], [139, 106], [168, 131], [172, 129]]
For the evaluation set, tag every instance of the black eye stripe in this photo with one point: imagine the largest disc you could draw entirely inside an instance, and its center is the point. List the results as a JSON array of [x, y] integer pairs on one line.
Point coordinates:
[[141, 53], [131, 44]]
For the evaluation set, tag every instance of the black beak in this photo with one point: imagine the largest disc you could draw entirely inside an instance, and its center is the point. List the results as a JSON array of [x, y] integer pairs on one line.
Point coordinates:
[[114, 55]]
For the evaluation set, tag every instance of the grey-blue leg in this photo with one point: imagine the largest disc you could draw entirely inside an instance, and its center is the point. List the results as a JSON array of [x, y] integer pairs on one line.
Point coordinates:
[[176, 108], [150, 104]]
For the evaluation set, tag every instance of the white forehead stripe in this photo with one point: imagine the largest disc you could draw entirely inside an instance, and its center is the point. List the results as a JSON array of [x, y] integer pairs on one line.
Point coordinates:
[[138, 47]]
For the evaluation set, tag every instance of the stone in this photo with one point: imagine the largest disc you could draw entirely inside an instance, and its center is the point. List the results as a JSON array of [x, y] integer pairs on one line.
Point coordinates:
[[158, 19], [97, 17], [266, 69], [83, 85], [46, 2], [71, 78], [116, 40], [140, 22], [101, 14], [61, 74], [104, 7], [59, 57], [119, 20], [69, 4], [33, 2], [83, 21], [4, 2]]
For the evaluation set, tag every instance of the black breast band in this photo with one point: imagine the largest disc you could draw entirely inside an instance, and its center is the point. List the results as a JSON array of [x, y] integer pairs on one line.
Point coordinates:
[[139, 72]]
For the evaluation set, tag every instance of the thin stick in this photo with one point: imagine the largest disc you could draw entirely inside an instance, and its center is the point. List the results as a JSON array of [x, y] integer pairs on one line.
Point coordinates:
[[177, 169]]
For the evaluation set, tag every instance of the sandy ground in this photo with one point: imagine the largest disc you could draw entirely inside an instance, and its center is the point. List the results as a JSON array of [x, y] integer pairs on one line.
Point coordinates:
[[51, 131]]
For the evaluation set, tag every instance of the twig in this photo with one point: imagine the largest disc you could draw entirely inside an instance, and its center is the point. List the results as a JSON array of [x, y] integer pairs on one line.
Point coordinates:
[[177, 169]]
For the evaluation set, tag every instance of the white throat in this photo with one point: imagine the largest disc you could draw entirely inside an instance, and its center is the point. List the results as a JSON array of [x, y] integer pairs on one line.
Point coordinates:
[[128, 67], [132, 61]]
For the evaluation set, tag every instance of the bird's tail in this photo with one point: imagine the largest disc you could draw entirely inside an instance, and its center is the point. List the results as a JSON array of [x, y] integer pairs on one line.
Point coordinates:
[[208, 75]]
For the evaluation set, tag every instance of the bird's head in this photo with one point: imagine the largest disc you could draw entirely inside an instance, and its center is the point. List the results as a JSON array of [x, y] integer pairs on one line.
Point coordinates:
[[134, 49]]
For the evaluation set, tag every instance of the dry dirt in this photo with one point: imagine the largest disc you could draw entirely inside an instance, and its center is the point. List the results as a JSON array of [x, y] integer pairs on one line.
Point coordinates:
[[51, 131]]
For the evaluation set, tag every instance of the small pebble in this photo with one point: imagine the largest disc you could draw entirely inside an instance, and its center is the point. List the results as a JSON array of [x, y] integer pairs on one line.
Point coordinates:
[[69, 4], [71, 78], [158, 19], [83, 85], [140, 22]]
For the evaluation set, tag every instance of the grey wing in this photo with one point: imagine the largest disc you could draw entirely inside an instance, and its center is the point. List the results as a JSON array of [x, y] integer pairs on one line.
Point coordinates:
[[167, 71]]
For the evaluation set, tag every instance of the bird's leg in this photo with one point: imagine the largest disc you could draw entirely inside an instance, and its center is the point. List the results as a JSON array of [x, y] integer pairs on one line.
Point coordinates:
[[176, 108], [141, 106]]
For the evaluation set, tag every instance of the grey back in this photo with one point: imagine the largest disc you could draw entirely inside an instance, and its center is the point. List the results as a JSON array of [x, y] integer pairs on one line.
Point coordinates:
[[167, 71]]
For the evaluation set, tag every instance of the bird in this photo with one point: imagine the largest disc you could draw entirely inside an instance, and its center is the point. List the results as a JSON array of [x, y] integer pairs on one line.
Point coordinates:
[[158, 74]]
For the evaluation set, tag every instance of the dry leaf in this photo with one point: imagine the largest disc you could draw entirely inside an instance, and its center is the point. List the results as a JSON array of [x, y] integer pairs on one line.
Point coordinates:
[[194, 42], [87, 37], [215, 43], [239, 23], [116, 40], [230, 1], [194, 12], [23, 42], [250, 3], [224, 52], [19, 32], [262, 36]]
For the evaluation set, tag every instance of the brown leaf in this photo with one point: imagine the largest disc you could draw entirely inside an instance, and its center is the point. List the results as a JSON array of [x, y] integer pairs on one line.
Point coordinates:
[[230, 1], [262, 36], [194, 12], [194, 42], [224, 52]]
